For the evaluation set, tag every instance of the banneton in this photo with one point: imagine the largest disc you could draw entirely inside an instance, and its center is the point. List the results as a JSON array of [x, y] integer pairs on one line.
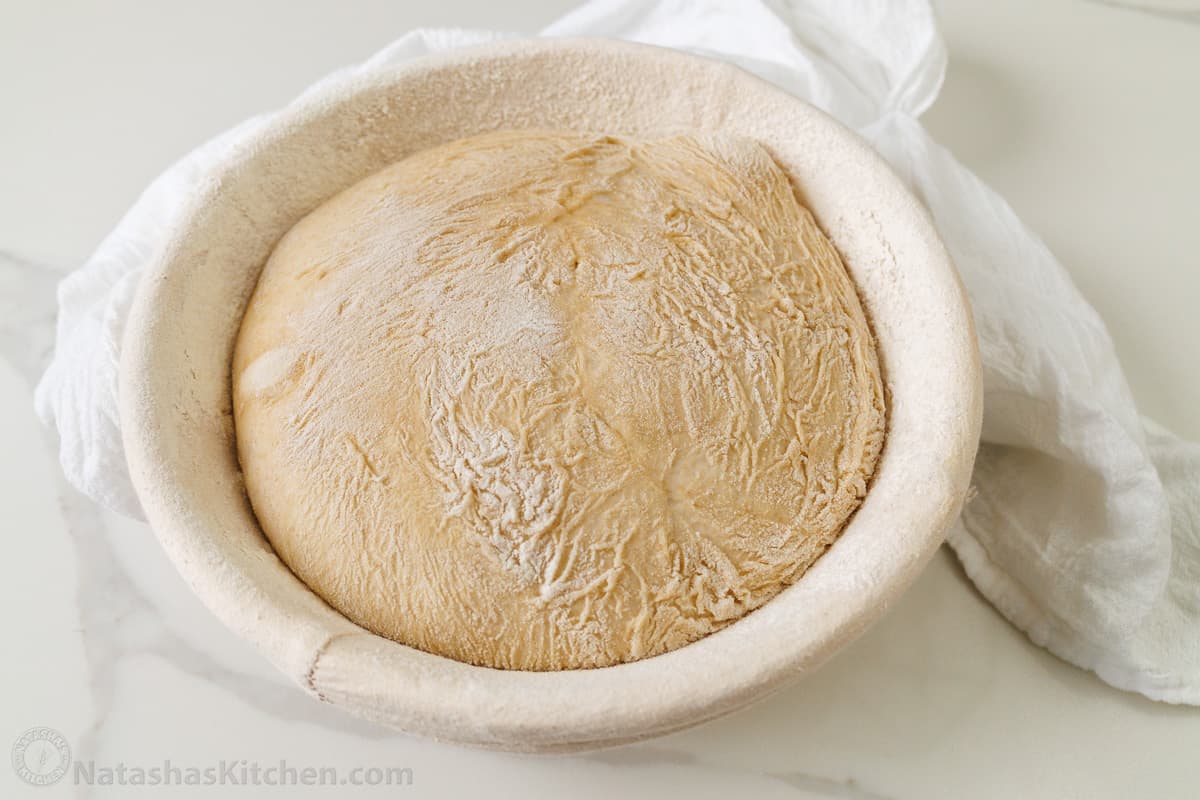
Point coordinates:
[[177, 403]]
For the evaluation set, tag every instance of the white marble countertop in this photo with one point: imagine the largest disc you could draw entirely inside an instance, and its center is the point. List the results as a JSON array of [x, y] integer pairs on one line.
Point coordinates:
[[1085, 115]]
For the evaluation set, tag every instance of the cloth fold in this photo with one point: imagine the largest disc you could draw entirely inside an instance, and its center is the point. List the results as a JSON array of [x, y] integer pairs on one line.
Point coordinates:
[[1085, 531]]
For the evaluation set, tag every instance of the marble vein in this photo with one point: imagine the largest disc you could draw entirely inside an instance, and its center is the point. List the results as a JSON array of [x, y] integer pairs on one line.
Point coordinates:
[[1188, 15], [809, 784]]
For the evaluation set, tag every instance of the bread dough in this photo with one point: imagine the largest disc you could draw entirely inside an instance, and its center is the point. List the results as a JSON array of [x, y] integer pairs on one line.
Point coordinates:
[[544, 400]]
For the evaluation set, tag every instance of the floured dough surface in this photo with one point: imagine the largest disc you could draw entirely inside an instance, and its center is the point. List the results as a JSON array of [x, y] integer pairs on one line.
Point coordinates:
[[543, 400]]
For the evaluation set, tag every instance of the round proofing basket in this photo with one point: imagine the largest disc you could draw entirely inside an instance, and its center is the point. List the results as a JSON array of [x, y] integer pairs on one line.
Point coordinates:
[[178, 424]]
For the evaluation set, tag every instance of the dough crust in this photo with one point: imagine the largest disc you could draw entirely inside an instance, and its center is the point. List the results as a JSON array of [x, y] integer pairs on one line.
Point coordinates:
[[544, 400]]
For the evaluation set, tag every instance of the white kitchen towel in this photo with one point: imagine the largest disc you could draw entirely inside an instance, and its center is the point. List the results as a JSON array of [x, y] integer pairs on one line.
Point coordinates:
[[1085, 531]]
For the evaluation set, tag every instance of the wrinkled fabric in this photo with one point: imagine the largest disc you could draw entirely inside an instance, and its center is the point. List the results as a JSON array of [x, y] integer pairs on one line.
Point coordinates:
[[1085, 527]]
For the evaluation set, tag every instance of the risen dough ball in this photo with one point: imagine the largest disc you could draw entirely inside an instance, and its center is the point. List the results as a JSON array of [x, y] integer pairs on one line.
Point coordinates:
[[542, 400]]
